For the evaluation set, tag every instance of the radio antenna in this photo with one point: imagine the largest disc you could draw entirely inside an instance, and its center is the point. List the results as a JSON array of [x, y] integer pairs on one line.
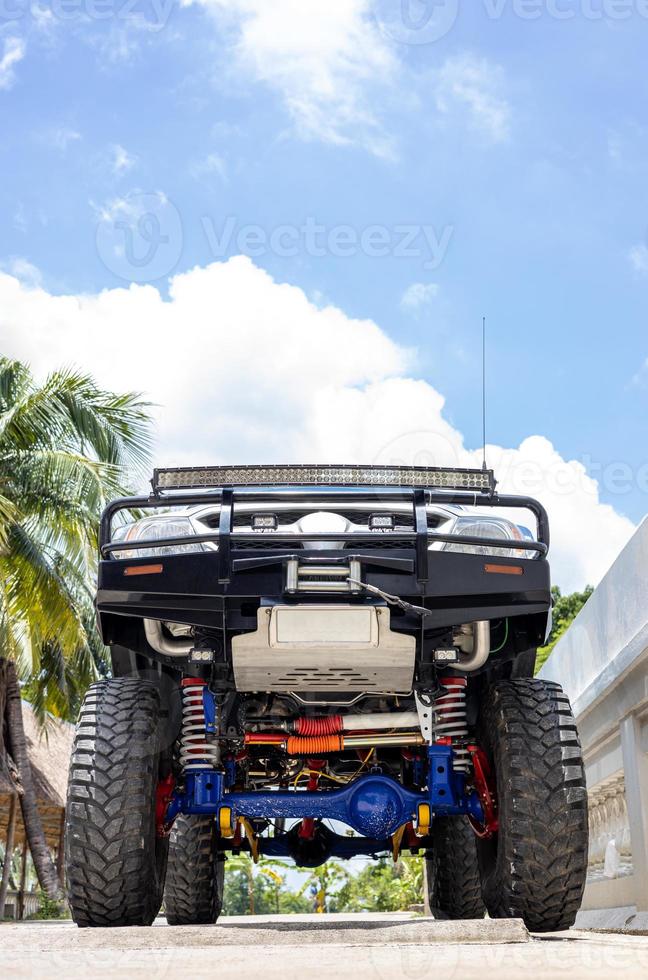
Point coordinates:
[[484, 466]]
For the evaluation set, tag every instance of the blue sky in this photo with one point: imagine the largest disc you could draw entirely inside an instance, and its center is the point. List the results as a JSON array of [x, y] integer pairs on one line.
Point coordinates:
[[499, 168]]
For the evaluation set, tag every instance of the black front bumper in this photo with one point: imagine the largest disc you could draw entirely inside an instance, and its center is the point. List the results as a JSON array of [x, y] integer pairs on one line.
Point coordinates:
[[220, 589]]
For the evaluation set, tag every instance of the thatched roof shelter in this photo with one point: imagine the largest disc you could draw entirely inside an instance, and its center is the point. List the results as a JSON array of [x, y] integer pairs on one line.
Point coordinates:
[[49, 753]]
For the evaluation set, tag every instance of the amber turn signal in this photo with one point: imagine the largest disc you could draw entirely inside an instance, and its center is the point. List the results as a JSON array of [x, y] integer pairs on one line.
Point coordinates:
[[504, 569], [143, 569]]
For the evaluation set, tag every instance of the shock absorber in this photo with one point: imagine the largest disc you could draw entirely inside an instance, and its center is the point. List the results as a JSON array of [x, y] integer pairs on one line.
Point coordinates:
[[450, 722], [196, 752]]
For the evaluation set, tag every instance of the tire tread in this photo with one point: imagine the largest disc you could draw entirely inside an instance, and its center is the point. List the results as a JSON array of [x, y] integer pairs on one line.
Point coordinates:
[[540, 870], [454, 885], [193, 893], [111, 869]]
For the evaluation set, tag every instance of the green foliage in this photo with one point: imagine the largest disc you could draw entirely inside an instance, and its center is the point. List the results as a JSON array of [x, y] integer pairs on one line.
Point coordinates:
[[236, 895], [66, 447], [382, 886], [379, 886], [260, 889], [323, 884], [50, 909], [566, 609]]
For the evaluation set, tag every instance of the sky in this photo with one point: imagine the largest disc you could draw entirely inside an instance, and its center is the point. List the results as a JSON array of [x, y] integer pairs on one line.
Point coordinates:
[[283, 222]]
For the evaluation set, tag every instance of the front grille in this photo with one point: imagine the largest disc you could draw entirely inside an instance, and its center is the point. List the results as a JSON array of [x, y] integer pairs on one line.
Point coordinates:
[[265, 543], [377, 545], [243, 521], [405, 521], [288, 519]]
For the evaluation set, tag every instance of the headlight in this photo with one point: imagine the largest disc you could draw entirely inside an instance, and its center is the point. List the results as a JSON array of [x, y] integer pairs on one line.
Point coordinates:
[[486, 527], [161, 526]]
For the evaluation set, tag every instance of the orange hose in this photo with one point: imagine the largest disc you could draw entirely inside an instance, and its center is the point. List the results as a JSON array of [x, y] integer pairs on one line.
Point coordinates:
[[320, 745]]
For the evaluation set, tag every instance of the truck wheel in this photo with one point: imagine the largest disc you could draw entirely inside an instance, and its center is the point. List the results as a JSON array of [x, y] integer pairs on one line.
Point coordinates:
[[534, 868], [193, 894], [115, 862], [452, 868]]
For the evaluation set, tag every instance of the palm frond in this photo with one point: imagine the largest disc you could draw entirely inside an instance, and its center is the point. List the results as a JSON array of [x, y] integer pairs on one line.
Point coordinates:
[[8, 516], [66, 447], [117, 427], [70, 410], [15, 379], [35, 418], [37, 594], [64, 489]]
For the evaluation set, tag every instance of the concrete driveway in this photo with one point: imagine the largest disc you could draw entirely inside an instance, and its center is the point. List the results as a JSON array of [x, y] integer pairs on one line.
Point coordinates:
[[338, 947]]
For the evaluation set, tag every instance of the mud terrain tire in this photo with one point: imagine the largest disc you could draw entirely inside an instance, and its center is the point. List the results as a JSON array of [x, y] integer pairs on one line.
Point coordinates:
[[453, 882], [193, 894], [115, 863], [535, 867]]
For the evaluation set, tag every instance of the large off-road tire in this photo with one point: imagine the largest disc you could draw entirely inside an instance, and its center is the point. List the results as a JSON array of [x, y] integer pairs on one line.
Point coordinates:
[[534, 868], [193, 894], [452, 871], [115, 863]]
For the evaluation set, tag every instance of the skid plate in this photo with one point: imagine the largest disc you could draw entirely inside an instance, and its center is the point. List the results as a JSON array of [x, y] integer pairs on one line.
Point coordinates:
[[324, 648]]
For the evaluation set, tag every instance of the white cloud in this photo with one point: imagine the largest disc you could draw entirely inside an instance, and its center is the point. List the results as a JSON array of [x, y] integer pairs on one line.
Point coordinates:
[[337, 73], [121, 161], [586, 533], [23, 270], [418, 294], [615, 147], [321, 57], [640, 379], [44, 19], [213, 165], [638, 257], [626, 145], [60, 137], [127, 209], [14, 50], [20, 218], [130, 32], [474, 85], [245, 369]]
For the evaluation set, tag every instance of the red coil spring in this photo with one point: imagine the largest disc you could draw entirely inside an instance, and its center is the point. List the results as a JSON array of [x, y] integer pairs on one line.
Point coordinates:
[[330, 725], [320, 745]]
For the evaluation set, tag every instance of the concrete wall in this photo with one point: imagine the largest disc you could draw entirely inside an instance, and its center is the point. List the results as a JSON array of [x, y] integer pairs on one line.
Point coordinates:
[[602, 663]]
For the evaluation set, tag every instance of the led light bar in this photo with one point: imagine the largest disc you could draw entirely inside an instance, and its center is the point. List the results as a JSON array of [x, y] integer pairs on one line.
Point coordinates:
[[203, 477]]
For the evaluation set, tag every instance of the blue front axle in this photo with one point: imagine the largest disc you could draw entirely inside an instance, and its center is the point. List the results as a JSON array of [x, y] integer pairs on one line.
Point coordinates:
[[374, 805]]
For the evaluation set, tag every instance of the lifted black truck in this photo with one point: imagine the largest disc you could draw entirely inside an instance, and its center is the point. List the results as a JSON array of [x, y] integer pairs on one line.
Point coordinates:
[[301, 649]]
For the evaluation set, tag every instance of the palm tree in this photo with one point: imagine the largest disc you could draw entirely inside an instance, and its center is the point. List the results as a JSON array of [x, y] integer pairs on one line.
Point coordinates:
[[65, 447]]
